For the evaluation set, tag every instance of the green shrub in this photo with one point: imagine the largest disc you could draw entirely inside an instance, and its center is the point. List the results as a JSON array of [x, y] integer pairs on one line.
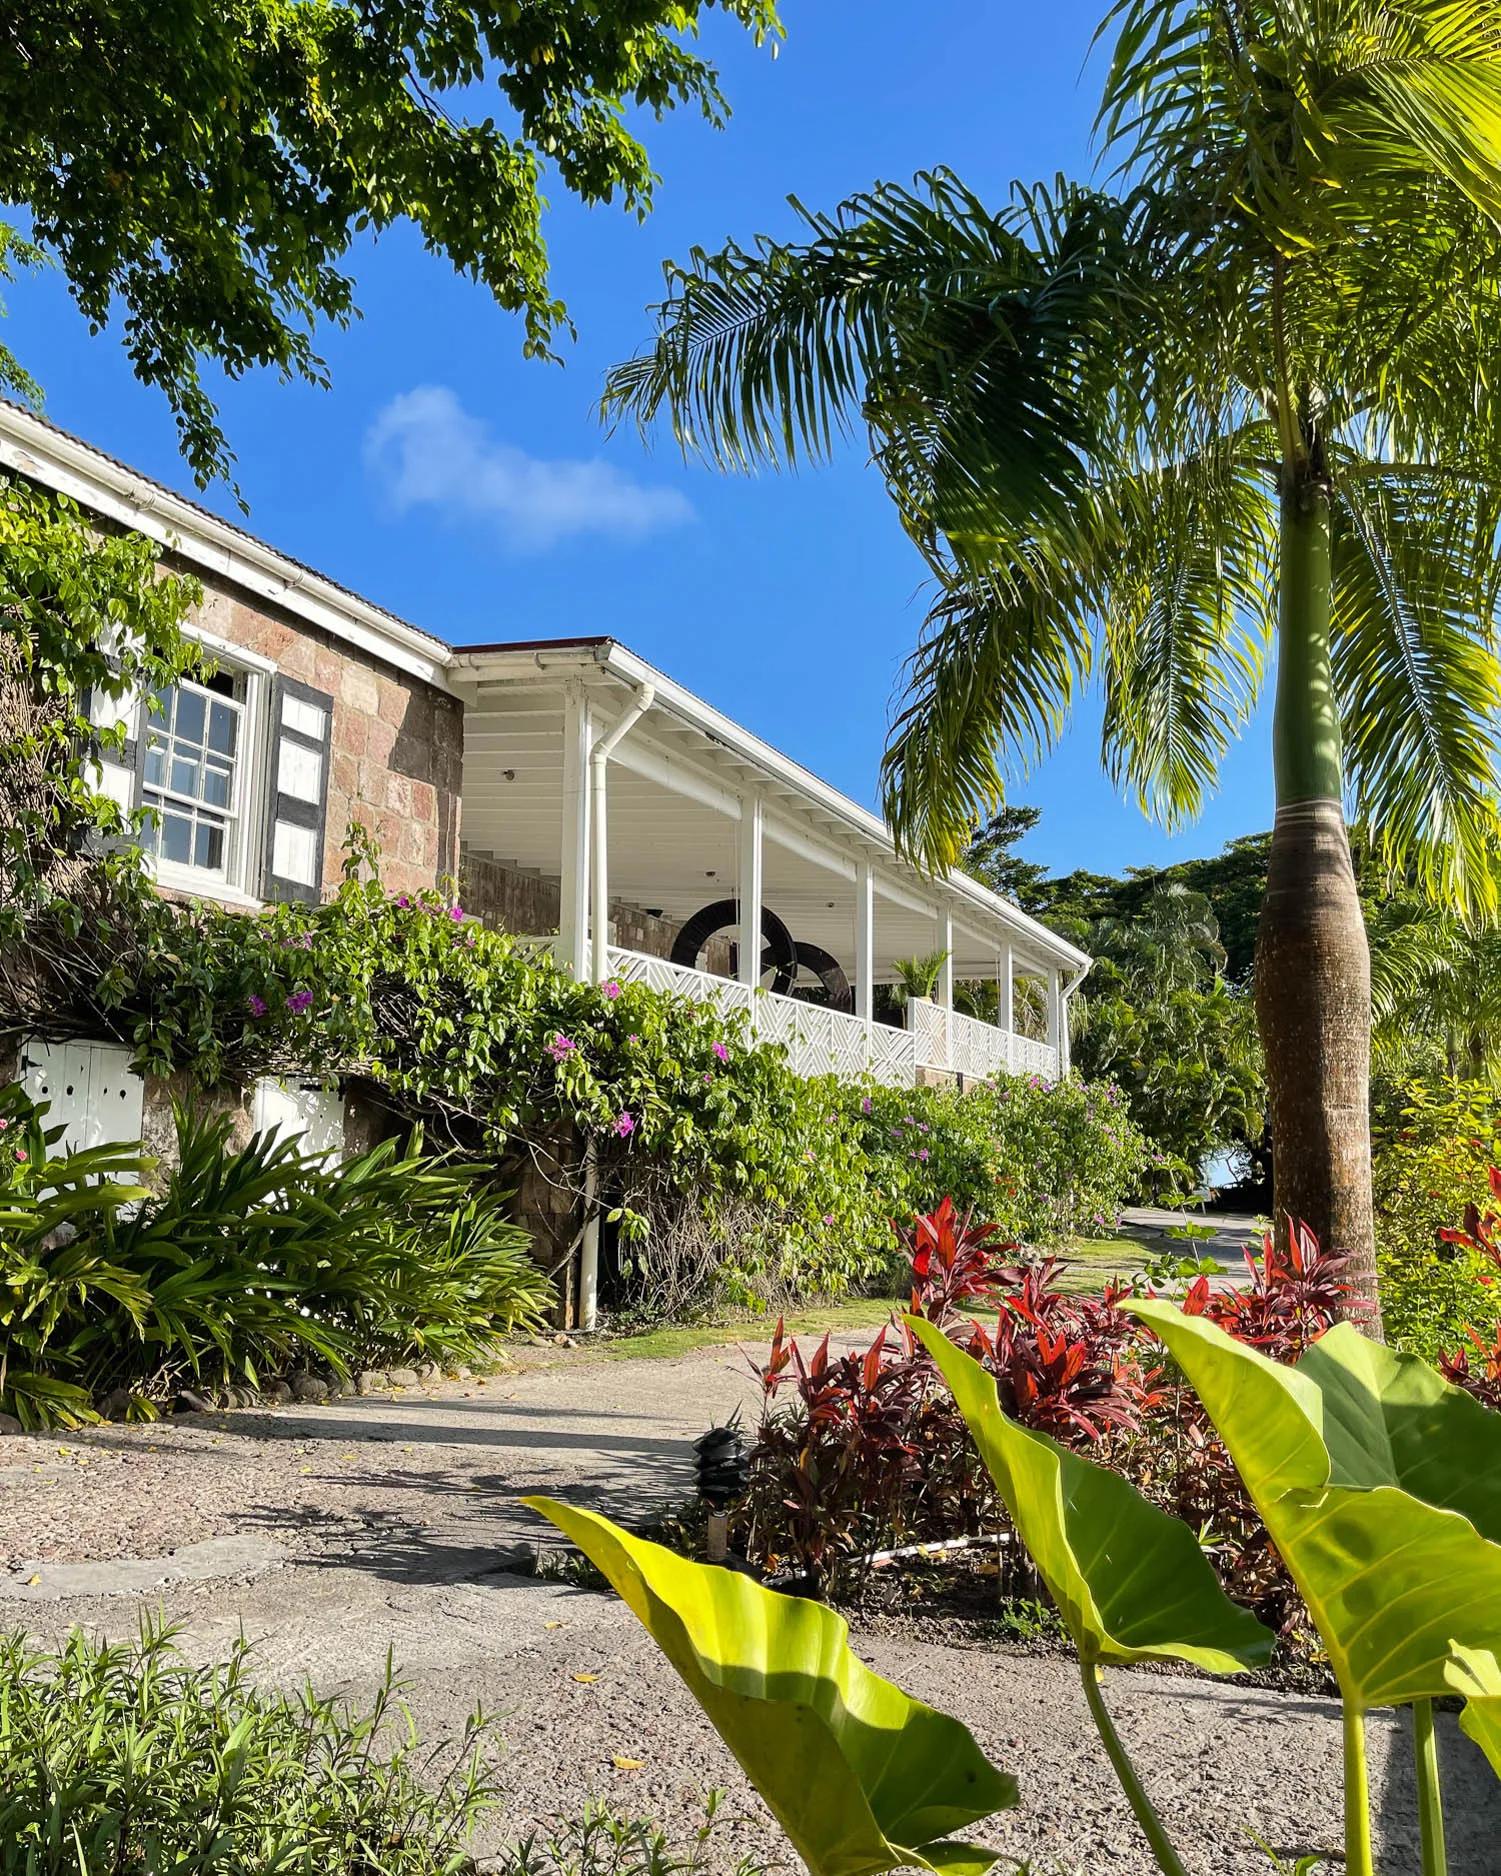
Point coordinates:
[[245, 1264], [123, 1758], [1429, 1164], [698, 1131]]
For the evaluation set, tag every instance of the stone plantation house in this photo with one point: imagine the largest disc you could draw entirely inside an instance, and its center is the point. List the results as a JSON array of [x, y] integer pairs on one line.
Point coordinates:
[[579, 795]]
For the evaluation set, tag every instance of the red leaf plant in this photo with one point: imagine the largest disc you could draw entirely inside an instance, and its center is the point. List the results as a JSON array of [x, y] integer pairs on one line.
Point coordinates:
[[1477, 1369], [871, 1451]]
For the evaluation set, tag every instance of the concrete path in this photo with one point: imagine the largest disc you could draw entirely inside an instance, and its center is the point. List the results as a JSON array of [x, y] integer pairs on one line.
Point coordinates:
[[1233, 1232], [393, 1522]]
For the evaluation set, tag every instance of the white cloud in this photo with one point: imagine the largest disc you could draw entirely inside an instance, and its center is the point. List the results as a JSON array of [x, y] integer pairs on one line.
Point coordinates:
[[425, 449]]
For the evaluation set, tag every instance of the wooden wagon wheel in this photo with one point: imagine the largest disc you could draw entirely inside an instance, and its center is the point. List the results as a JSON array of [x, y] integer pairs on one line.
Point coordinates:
[[830, 973], [780, 954]]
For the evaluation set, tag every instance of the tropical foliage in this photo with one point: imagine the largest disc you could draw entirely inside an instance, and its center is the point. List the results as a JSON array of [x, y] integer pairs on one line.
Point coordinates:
[[1432, 1162], [861, 1778], [245, 1265], [123, 1757], [1140, 436]]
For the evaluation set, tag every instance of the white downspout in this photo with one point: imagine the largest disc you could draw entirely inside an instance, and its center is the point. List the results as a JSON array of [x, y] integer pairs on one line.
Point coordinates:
[[599, 970], [599, 939], [1065, 1061]]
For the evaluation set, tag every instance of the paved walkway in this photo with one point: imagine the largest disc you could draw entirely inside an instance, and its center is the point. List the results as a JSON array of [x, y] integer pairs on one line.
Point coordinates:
[[376, 1525]]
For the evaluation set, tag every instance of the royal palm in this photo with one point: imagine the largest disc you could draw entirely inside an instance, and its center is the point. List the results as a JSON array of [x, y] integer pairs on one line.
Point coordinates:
[[1233, 408]]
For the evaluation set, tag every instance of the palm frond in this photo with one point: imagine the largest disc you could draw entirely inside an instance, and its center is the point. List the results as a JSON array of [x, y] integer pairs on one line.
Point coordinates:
[[1416, 674], [1000, 661], [966, 350], [1186, 623]]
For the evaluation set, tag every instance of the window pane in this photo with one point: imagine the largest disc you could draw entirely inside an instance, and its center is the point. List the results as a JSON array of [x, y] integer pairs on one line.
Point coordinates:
[[156, 765], [177, 839], [208, 849], [184, 776], [222, 723], [216, 784], [161, 706], [190, 715]]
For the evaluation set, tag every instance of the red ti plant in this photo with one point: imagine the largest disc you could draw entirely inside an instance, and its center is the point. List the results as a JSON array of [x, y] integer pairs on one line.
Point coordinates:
[[951, 1262], [1478, 1372], [1292, 1298]]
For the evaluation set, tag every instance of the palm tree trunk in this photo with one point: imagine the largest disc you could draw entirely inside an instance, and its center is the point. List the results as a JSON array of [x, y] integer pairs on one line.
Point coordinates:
[[1313, 967]]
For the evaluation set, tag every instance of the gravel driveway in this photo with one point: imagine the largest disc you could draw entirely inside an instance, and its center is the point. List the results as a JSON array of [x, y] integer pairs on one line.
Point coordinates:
[[335, 1533]]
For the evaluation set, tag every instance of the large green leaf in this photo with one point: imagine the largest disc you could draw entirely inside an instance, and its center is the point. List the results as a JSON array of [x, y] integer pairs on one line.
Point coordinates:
[[860, 1777], [1378, 1483], [1131, 1582], [1475, 1673]]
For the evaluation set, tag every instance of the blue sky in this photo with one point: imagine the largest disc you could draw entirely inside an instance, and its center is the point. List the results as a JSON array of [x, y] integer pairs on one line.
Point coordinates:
[[474, 493]]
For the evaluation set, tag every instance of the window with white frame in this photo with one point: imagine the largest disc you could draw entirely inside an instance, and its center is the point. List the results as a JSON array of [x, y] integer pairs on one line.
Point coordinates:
[[193, 775]]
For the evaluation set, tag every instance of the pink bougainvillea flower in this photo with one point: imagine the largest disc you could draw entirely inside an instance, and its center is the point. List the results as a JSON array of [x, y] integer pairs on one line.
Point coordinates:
[[828, 1218], [300, 1000], [625, 1126], [20, 1152], [612, 990], [561, 1047], [922, 1152], [457, 912], [405, 903], [3, 1125], [257, 1006], [721, 1052], [633, 1038], [865, 1105]]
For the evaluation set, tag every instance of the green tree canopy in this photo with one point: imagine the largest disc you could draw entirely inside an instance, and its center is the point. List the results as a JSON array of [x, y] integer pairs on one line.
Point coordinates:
[[201, 167]]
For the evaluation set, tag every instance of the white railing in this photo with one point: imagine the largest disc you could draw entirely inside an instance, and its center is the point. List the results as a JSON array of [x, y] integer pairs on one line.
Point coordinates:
[[818, 1041], [949, 1040]]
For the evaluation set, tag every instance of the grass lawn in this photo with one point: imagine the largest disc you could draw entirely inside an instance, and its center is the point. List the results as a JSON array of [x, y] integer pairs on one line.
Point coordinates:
[[1090, 1261], [865, 1312]]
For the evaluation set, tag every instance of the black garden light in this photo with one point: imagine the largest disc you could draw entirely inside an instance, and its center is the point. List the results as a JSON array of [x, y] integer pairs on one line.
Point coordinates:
[[723, 1473]]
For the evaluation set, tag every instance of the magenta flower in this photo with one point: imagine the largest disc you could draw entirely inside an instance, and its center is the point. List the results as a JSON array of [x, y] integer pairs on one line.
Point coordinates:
[[922, 1152], [457, 913], [257, 1006], [299, 1001], [625, 1126], [3, 1125], [721, 1052], [865, 1105], [633, 1038], [405, 903], [20, 1152], [828, 1218], [561, 1047], [708, 1080], [612, 990]]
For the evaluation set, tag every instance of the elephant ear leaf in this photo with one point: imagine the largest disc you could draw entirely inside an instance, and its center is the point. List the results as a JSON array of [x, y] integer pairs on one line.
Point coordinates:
[[861, 1778], [1335, 1454], [1131, 1582], [1476, 1674]]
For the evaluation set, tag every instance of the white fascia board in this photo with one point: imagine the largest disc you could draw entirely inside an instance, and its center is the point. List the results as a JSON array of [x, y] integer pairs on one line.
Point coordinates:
[[872, 837], [69, 467]]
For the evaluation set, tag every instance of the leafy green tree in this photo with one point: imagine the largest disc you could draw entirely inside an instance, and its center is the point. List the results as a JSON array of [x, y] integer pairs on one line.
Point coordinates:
[[203, 168], [991, 855], [86, 620], [1248, 403]]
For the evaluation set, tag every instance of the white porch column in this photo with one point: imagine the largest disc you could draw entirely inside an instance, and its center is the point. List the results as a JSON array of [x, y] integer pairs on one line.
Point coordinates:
[[1005, 979], [752, 831], [1056, 1015], [946, 946], [573, 865], [865, 941], [1065, 1051]]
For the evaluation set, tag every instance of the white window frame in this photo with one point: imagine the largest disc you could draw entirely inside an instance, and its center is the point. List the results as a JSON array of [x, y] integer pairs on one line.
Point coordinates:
[[237, 883]]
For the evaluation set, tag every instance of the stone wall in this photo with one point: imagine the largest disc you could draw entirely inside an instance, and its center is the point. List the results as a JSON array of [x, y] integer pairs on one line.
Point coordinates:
[[398, 744], [526, 903]]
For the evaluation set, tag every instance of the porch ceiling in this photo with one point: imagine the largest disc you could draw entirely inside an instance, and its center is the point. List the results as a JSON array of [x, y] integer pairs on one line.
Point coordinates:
[[674, 794]]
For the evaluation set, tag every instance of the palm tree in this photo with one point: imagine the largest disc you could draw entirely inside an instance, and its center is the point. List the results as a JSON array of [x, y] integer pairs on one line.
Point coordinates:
[[1243, 402]]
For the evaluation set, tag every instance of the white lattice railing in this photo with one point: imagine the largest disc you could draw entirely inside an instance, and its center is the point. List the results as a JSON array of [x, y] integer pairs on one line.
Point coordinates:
[[818, 1041], [979, 1051]]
